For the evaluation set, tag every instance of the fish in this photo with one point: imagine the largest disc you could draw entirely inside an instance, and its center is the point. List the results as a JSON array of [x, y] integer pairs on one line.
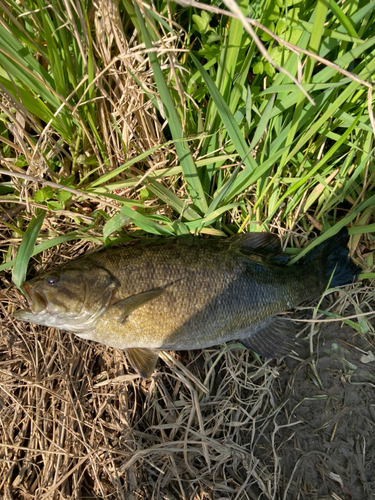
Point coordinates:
[[186, 293]]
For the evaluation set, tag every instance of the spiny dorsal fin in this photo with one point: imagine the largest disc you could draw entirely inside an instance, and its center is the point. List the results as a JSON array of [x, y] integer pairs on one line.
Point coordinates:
[[143, 361], [274, 340], [266, 246], [265, 241]]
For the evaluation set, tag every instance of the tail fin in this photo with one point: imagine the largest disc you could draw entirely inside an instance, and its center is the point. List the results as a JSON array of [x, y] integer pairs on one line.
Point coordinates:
[[331, 260]]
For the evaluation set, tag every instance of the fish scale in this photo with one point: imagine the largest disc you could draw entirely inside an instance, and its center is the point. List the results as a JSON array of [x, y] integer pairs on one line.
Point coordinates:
[[185, 293], [217, 296]]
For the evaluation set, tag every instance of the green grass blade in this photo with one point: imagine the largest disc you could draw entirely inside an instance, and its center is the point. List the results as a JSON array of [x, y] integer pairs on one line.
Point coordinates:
[[344, 20], [336, 228], [145, 223], [181, 206], [263, 123], [114, 224], [24, 67], [245, 180], [348, 58], [36, 106], [341, 99], [223, 193], [316, 37], [313, 46], [225, 75], [53, 242], [57, 71], [113, 173], [304, 179], [26, 249], [230, 124], [187, 163], [210, 218]]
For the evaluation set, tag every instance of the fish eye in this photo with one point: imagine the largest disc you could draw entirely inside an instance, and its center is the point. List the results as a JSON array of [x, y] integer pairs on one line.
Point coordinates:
[[52, 280]]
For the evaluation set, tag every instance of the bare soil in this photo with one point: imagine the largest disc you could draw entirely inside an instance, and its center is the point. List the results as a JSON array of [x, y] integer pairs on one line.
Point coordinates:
[[329, 397]]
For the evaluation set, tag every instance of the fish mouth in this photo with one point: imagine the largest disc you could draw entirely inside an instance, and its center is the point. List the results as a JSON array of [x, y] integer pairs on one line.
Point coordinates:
[[36, 300]]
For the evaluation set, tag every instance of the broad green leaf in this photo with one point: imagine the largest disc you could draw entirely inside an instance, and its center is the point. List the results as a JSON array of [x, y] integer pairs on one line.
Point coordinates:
[[43, 194], [63, 196]]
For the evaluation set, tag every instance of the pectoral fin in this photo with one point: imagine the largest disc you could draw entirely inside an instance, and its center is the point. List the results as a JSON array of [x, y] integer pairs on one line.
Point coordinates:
[[274, 340], [120, 310], [143, 361]]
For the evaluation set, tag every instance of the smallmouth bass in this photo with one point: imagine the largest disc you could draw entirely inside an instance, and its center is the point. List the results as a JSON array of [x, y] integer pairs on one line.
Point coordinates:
[[185, 293]]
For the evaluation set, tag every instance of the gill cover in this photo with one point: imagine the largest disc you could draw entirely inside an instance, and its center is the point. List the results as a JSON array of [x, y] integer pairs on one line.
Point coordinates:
[[73, 297]]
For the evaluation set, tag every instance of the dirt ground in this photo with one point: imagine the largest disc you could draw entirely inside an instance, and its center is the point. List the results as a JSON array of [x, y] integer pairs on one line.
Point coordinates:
[[217, 424], [329, 397]]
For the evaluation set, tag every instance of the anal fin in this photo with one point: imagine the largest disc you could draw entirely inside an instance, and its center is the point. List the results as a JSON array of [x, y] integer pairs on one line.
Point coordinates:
[[143, 360], [274, 340]]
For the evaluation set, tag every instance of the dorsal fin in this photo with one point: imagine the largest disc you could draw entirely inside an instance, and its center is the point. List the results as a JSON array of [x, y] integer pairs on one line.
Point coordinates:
[[266, 246]]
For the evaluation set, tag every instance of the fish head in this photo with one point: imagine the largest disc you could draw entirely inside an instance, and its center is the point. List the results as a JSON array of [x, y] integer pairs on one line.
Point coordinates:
[[71, 298]]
